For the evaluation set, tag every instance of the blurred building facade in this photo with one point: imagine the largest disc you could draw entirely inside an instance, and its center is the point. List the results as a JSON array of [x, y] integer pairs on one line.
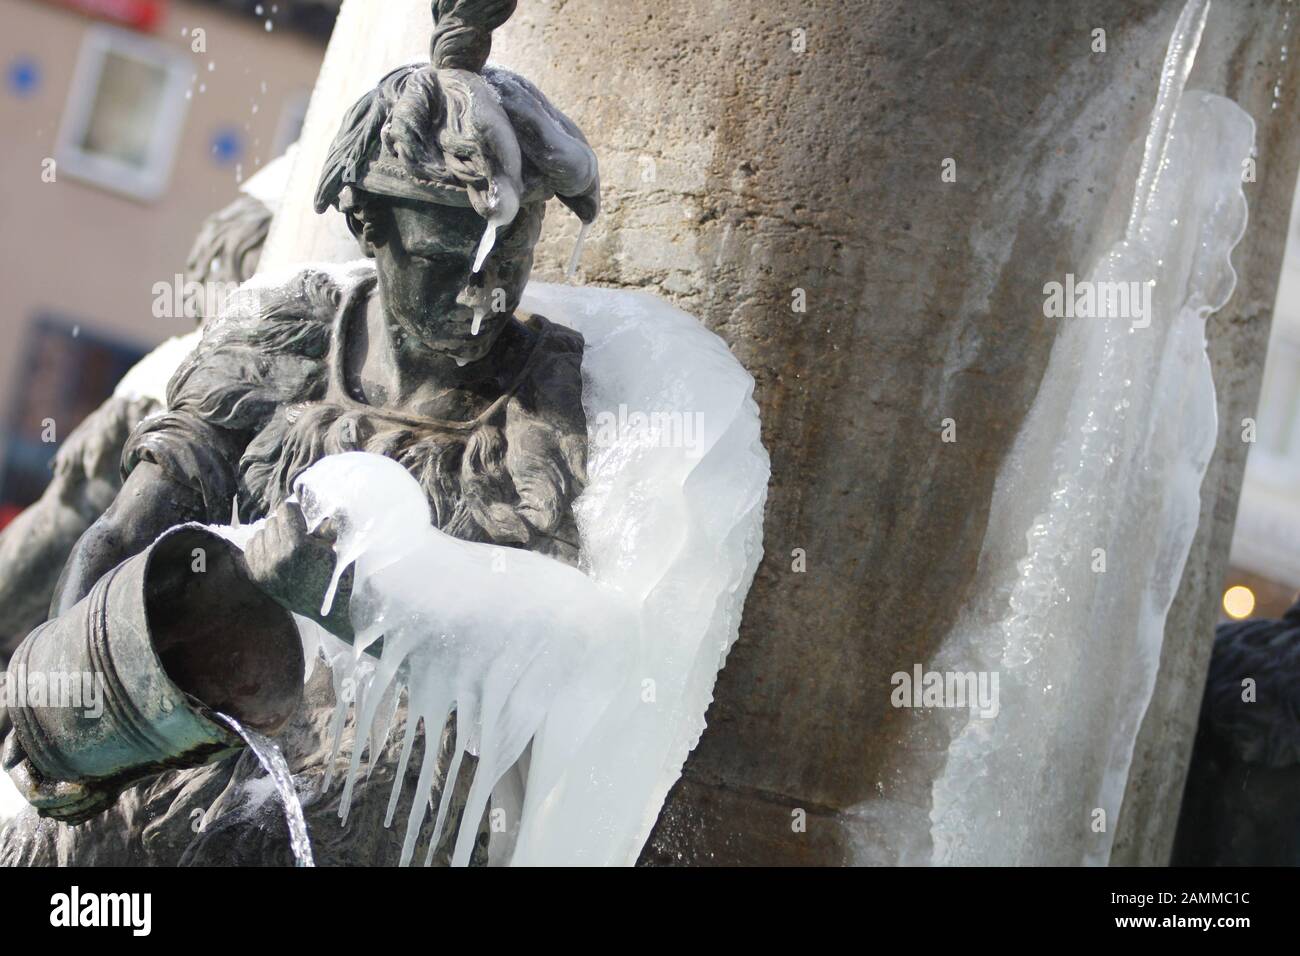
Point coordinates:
[[124, 123]]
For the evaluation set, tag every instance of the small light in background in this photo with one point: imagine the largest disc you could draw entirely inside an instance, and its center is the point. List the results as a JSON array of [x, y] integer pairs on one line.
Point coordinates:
[[1238, 602]]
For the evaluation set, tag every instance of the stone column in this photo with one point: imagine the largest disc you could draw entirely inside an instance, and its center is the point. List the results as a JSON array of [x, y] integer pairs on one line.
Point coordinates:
[[777, 169], [760, 155]]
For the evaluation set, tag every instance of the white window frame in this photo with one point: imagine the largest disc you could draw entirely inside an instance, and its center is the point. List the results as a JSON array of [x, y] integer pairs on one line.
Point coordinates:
[[145, 183]]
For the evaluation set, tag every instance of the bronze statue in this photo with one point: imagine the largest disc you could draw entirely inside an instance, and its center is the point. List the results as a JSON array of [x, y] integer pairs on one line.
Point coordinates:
[[443, 172]]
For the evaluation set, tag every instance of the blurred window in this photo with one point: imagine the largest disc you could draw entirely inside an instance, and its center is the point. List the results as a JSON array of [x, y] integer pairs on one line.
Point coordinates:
[[66, 372], [125, 113]]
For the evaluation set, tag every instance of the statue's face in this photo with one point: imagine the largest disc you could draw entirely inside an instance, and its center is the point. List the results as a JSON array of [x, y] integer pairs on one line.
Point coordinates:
[[427, 283]]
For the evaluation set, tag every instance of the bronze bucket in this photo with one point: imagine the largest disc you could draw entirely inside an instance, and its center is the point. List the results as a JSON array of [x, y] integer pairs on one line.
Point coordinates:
[[168, 639]]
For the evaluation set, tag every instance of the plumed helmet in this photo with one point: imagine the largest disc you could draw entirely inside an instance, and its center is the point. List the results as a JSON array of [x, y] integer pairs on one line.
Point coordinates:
[[460, 133]]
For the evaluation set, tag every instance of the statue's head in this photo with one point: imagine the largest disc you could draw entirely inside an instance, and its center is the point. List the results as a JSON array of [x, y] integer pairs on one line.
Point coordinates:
[[443, 172], [225, 253]]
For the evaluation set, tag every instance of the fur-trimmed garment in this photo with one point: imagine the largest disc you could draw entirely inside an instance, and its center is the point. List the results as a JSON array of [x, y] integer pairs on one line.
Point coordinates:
[[262, 399]]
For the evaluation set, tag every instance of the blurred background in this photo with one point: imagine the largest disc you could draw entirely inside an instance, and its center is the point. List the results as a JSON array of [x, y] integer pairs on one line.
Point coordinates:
[[1264, 576], [124, 123]]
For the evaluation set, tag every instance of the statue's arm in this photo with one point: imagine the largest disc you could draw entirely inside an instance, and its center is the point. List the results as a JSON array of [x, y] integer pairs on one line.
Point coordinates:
[[149, 502]]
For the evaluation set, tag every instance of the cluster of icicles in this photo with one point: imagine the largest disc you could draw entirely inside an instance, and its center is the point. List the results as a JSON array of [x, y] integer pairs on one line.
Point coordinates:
[[489, 633], [544, 666]]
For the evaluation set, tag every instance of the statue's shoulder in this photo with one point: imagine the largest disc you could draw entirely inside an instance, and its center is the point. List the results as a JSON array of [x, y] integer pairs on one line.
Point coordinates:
[[267, 348], [554, 382], [559, 339]]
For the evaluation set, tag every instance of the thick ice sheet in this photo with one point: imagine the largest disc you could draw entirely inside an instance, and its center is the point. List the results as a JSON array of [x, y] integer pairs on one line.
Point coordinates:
[[676, 527], [1108, 466]]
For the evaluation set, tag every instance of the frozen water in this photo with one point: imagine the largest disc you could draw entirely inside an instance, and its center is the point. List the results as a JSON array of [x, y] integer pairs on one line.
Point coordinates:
[[606, 670], [495, 634], [1095, 509], [676, 526], [575, 257], [487, 243]]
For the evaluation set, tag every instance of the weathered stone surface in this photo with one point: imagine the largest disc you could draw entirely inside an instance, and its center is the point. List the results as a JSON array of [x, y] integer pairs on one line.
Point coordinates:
[[737, 171]]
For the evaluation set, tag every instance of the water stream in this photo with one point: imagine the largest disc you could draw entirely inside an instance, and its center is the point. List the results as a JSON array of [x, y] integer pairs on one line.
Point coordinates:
[[272, 760]]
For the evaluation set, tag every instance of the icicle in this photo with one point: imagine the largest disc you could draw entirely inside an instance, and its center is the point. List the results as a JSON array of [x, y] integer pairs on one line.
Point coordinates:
[[1179, 59], [489, 240], [433, 725], [444, 800], [572, 268], [345, 669], [545, 652], [381, 731], [370, 695], [341, 563], [408, 745]]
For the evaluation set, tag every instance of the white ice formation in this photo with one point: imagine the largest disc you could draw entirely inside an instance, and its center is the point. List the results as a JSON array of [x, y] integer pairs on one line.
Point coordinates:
[[607, 670], [1095, 509]]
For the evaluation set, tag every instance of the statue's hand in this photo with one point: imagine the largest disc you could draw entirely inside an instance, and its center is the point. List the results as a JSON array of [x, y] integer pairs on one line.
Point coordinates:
[[293, 565], [57, 799], [71, 802]]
